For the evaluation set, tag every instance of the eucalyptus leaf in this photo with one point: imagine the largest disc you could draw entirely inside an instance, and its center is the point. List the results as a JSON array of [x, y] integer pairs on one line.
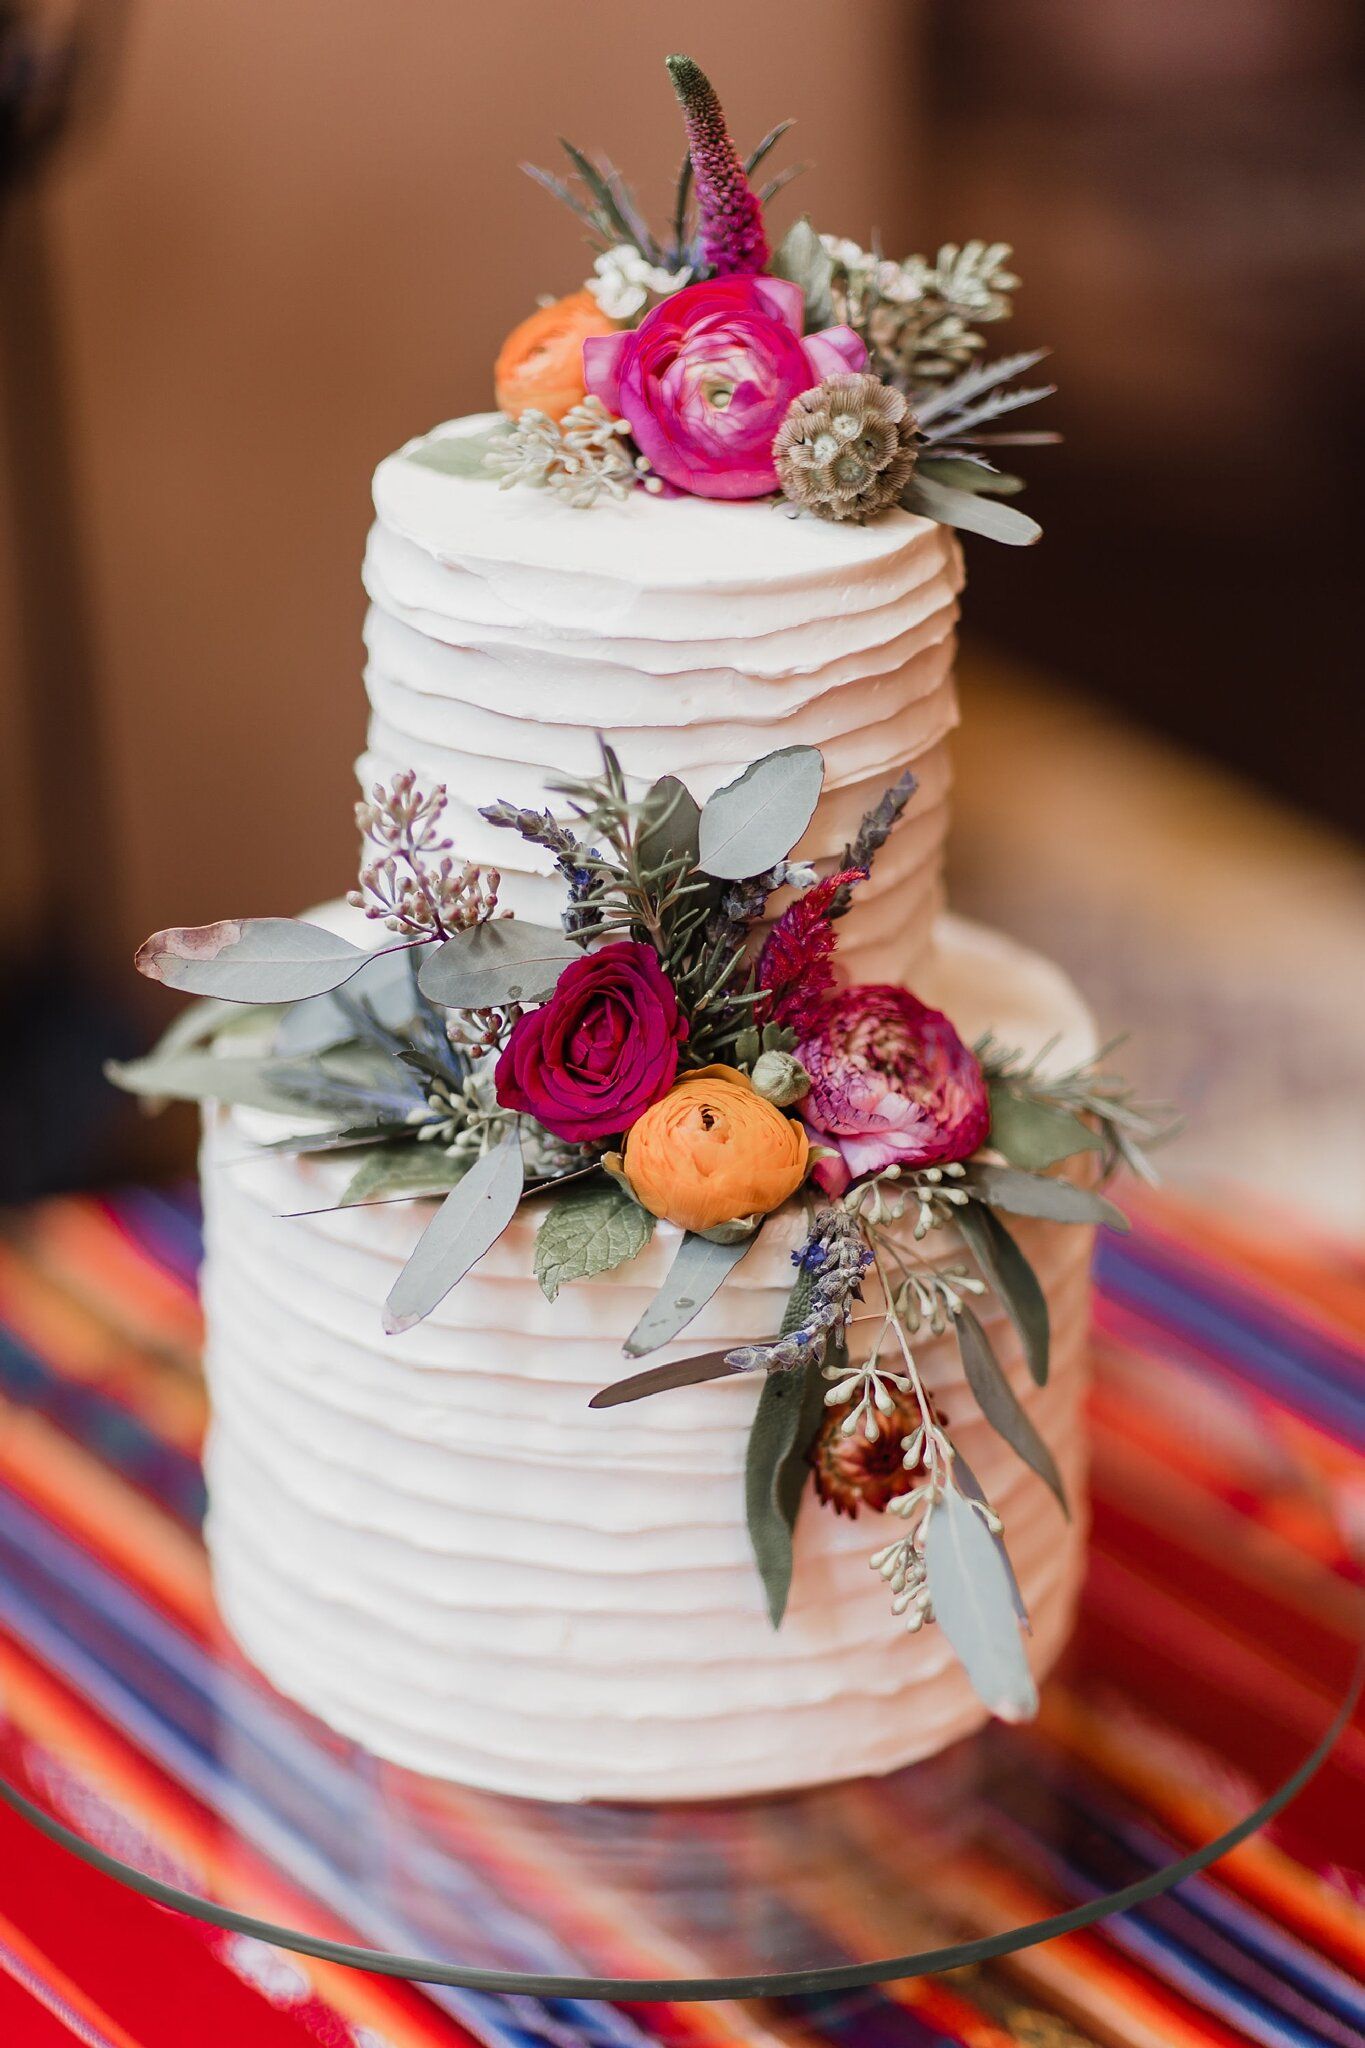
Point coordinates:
[[590, 1228], [209, 1018], [1033, 1134], [670, 821], [969, 1484], [1014, 1280], [460, 454], [1001, 1406], [974, 1606], [661, 1379], [470, 1220], [1039, 1194], [698, 1270], [971, 512], [491, 965], [755, 821], [410, 1170], [803, 258], [250, 960]]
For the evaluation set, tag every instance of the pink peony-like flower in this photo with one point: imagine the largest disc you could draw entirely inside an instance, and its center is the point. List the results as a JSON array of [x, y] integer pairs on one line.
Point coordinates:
[[891, 1081], [705, 380], [600, 1050]]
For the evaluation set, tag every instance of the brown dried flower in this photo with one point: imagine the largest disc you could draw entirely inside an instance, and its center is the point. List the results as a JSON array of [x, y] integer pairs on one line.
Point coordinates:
[[851, 1472], [846, 450]]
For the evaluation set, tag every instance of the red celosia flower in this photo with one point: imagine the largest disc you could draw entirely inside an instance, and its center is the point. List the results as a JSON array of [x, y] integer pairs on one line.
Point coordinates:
[[795, 966]]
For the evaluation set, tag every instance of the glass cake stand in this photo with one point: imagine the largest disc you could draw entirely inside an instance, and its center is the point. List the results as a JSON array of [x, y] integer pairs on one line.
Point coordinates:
[[1216, 1663]]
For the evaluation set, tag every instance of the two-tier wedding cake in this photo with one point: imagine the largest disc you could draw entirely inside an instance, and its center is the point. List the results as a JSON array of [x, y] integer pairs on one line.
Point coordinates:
[[648, 1238]]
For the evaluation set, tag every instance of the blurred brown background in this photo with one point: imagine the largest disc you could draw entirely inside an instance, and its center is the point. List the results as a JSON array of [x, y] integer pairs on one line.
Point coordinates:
[[278, 241]]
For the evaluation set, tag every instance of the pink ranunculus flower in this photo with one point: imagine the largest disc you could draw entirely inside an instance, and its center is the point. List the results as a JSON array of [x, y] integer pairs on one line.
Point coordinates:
[[706, 378], [600, 1050], [891, 1082]]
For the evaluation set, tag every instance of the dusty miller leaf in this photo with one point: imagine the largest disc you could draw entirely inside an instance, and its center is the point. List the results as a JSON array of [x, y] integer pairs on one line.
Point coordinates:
[[1034, 1135], [470, 1220], [1001, 1406], [491, 965], [1014, 1280], [974, 1606], [275, 1085], [591, 1228], [698, 1270], [250, 960], [757, 819]]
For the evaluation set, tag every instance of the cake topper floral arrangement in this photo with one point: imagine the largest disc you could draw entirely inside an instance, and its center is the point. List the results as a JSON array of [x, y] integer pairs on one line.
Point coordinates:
[[680, 1049], [705, 361]]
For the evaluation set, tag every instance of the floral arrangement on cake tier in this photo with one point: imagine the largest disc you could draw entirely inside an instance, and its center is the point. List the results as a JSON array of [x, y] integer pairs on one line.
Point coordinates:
[[708, 362], [673, 1051]]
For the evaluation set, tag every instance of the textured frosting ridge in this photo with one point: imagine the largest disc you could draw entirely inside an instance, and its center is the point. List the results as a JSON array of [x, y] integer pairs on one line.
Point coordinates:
[[434, 1544], [506, 630]]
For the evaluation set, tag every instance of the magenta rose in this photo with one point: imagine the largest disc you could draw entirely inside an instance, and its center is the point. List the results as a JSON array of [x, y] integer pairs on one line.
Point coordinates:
[[706, 378], [891, 1082], [600, 1051]]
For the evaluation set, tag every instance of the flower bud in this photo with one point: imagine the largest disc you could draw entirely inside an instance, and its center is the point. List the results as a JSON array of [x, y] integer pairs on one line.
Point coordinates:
[[779, 1078]]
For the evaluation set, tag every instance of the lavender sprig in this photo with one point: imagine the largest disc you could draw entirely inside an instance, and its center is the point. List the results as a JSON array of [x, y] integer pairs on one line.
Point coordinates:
[[831, 1263], [872, 835]]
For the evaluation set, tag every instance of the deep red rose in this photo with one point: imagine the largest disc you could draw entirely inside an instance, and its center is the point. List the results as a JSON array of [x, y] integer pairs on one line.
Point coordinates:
[[600, 1051], [890, 1081]]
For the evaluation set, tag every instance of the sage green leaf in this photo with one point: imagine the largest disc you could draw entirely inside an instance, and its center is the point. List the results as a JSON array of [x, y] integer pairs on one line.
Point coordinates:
[[968, 476], [460, 454], [209, 1018], [968, 1483], [383, 985], [775, 1473], [803, 258], [784, 1427], [470, 1220], [661, 1379], [1014, 1280], [971, 511], [250, 960], [1039, 1194], [974, 1606], [1001, 1406], [698, 1270], [1033, 1134], [410, 1170], [756, 820], [670, 821], [491, 965], [590, 1228]]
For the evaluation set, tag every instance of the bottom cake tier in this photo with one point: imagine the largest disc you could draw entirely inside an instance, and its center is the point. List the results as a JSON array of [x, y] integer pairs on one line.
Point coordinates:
[[431, 1541]]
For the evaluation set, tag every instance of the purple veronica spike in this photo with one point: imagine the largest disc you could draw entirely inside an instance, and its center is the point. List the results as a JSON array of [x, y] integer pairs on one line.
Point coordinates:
[[730, 218]]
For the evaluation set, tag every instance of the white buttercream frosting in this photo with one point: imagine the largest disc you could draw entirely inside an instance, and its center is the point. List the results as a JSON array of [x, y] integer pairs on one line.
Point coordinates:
[[507, 629], [435, 1544], [431, 1540]]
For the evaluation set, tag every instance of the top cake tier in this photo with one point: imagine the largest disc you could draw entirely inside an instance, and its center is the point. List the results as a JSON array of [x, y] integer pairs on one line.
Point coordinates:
[[507, 630]]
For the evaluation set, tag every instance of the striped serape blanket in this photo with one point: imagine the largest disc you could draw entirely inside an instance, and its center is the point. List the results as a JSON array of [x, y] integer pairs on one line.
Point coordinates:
[[1223, 1599]]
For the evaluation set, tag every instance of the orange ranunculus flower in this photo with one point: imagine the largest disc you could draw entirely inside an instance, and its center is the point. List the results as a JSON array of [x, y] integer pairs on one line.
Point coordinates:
[[541, 362], [712, 1151]]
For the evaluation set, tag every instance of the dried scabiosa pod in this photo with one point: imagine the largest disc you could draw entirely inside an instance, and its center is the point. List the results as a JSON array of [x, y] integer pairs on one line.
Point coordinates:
[[846, 449]]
